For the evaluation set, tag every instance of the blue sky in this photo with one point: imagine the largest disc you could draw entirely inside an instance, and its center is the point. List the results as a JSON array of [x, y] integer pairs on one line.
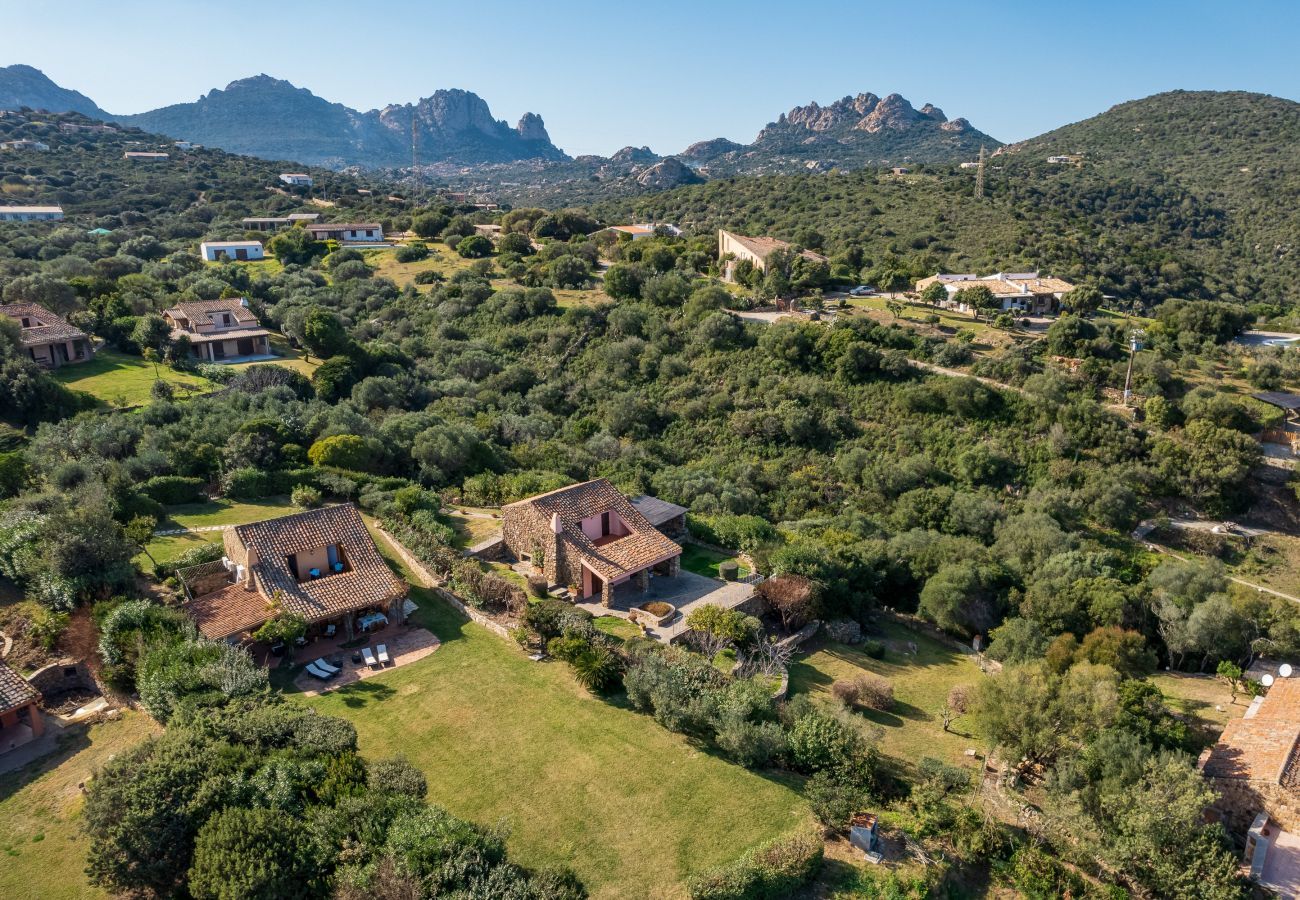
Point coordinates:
[[607, 74]]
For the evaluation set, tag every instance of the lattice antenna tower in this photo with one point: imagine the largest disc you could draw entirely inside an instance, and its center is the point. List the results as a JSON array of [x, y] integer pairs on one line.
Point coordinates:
[[979, 176]]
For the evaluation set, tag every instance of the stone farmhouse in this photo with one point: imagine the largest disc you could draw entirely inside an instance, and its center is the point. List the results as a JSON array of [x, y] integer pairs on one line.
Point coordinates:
[[219, 330], [47, 338], [1025, 292], [1255, 769], [321, 565], [20, 710], [754, 249], [24, 144], [591, 537]]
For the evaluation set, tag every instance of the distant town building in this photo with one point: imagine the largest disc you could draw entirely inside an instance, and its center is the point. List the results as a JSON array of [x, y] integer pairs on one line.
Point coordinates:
[[214, 251], [23, 144], [219, 330], [183, 145], [754, 249], [1064, 160], [48, 339], [348, 232], [296, 179], [145, 155], [77, 127], [900, 170], [31, 213], [968, 165], [1026, 292]]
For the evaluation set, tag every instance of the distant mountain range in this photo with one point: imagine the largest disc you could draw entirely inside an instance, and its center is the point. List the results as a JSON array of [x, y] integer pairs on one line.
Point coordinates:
[[455, 130]]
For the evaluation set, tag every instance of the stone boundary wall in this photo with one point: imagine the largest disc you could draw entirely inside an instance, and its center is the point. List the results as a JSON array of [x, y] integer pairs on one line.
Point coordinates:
[[60, 678]]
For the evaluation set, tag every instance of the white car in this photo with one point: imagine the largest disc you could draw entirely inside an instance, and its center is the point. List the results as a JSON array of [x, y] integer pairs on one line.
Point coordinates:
[[862, 290]]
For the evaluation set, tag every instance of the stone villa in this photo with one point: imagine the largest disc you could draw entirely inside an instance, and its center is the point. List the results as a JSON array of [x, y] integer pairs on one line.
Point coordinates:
[[20, 711], [47, 338], [1026, 292], [321, 565], [754, 249], [591, 537]]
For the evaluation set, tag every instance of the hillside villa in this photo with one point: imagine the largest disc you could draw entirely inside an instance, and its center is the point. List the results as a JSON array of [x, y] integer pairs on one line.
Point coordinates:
[[31, 213], [219, 330], [1255, 769], [20, 710], [215, 251], [321, 565], [49, 339], [1023, 292], [348, 232], [591, 537], [24, 144], [296, 179], [648, 229], [754, 249], [145, 155]]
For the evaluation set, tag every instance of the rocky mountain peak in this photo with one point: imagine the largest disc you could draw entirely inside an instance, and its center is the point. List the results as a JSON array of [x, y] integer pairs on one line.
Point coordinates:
[[668, 173], [532, 128]]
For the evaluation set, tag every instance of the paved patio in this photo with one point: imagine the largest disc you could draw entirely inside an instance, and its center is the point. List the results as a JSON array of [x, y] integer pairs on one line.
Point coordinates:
[[686, 591], [405, 643], [1282, 866]]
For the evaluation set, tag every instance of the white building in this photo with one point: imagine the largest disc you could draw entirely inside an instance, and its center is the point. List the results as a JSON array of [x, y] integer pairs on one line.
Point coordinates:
[[214, 251], [145, 155], [348, 232], [296, 179], [182, 145], [648, 229], [31, 213], [24, 144]]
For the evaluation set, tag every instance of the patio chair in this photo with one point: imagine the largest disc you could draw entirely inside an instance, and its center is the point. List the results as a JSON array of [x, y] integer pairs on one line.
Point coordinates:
[[315, 670], [331, 669], [382, 650], [369, 656], [331, 629]]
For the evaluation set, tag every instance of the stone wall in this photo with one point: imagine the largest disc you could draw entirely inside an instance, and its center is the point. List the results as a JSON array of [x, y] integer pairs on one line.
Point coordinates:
[[61, 678], [1241, 800]]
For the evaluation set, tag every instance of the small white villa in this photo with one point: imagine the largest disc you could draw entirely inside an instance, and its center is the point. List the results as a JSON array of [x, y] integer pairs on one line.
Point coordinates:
[[296, 179], [31, 213], [24, 144], [145, 155], [216, 251], [348, 232]]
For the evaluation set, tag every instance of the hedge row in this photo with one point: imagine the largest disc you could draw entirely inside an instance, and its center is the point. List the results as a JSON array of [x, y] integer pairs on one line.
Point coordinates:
[[774, 871]]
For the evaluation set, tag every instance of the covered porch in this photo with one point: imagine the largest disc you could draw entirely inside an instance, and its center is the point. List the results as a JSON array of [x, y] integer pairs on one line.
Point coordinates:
[[237, 346]]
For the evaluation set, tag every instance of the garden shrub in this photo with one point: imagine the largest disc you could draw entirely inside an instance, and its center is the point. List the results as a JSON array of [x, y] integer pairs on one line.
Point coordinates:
[[304, 496], [775, 871], [174, 489], [745, 533], [867, 690]]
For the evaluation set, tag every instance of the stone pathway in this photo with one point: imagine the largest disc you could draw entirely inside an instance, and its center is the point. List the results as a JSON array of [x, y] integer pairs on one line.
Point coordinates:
[[169, 532]]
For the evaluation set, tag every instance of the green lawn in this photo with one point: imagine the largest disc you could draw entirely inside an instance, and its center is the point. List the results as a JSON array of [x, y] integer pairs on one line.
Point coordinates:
[[703, 561], [213, 512], [42, 850], [1199, 698], [631, 807], [117, 379], [286, 355], [618, 627], [914, 727], [470, 530]]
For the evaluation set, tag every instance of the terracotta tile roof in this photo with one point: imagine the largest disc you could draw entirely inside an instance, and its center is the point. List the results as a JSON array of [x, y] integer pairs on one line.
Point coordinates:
[[368, 581], [228, 612], [52, 327], [1265, 746], [229, 334], [199, 312], [1048, 285], [763, 246], [996, 286], [15, 690], [644, 546]]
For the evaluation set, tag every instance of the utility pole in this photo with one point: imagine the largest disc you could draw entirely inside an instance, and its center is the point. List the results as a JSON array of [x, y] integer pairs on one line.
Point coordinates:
[[414, 158], [1134, 345], [979, 176]]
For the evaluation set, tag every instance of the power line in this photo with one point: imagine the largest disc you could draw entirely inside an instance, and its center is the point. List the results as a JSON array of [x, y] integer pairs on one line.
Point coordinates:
[[979, 176]]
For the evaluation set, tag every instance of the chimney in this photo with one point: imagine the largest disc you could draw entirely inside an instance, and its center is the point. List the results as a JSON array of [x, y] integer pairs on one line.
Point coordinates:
[[555, 523]]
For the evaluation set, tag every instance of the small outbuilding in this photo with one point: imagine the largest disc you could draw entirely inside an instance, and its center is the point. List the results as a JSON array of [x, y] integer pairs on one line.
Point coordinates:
[[216, 251], [20, 710]]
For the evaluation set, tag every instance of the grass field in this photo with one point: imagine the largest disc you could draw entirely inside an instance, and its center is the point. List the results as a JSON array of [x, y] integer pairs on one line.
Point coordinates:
[[703, 561], [42, 850], [1203, 699], [631, 807], [441, 259], [914, 727], [470, 530], [286, 356], [117, 379], [213, 512]]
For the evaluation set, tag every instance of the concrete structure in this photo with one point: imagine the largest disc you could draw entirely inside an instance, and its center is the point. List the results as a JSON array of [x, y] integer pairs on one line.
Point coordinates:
[[145, 155], [214, 251], [264, 223], [303, 217], [590, 537], [1025, 292], [20, 710], [649, 229], [219, 330], [669, 518], [754, 249], [48, 339], [31, 213], [182, 145], [296, 179], [321, 565], [24, 144], [348, 232], [76, 127]]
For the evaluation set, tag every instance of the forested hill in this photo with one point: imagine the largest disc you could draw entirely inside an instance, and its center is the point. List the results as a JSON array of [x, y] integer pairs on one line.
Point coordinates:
[[1180, 194]]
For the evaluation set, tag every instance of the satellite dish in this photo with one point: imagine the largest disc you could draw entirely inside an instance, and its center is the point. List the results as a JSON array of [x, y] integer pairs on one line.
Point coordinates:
[[1284, 670], [1267, 680]]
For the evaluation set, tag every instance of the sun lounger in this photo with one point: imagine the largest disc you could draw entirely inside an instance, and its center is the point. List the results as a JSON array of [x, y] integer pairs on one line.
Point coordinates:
[[369, 656], [332, 669], [320, 673], [383, 654]]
